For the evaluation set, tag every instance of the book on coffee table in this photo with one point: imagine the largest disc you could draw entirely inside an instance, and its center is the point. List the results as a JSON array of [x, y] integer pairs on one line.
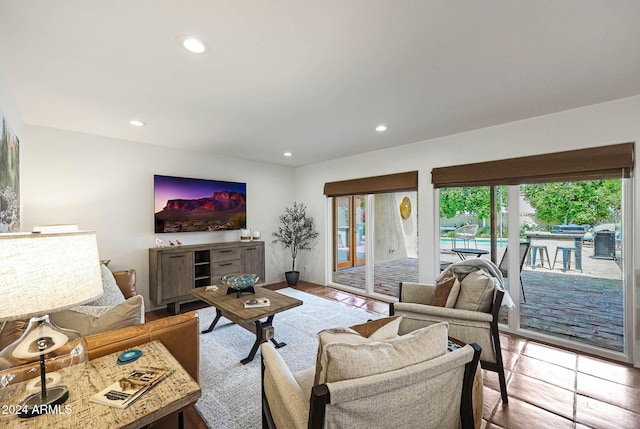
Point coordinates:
[[257, 302], [125, 391]]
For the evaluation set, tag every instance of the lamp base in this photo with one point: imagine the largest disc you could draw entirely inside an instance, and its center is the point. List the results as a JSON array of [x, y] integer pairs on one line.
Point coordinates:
[[35, 405]]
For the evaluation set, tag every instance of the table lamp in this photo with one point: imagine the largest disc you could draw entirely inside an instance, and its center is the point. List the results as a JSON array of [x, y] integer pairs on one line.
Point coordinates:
[[42, 273]]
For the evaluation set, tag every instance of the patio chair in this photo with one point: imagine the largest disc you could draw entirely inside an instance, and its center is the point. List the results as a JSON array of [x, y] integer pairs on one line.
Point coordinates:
[[504, 262], [469, 326], [405, 386], [466, 233]]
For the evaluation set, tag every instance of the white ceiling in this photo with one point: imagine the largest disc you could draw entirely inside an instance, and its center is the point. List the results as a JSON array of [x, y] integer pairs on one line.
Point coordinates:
[[311, 77]]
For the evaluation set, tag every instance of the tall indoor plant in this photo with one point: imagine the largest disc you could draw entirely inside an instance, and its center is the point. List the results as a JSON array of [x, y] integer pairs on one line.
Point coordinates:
[[296, 232]]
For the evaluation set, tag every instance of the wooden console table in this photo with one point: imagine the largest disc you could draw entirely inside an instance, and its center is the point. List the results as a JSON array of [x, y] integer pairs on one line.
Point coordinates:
[[171, 395], [175, 271]]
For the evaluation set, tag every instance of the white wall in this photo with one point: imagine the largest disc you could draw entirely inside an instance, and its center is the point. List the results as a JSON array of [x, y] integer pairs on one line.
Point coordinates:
[[597, 125], [106, 185], [9, 108], [394, 236]]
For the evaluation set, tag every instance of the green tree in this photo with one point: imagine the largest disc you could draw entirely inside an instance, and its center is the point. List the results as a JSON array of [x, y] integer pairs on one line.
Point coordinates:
[[586, 202], [466, 200], [296, 231]]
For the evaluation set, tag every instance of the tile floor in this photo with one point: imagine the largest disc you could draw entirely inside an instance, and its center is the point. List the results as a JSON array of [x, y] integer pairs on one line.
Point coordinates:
[[548, 387]]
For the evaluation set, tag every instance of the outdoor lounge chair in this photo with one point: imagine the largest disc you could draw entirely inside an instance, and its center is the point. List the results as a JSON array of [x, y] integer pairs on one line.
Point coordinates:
[[504, 262], [466, 233]]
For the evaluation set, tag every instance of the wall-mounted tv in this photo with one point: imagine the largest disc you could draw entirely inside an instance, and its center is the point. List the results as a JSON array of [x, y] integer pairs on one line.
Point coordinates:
[[187, 205]]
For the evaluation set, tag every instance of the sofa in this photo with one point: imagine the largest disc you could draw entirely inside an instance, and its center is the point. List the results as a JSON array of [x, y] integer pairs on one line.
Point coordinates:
[[179, 333]]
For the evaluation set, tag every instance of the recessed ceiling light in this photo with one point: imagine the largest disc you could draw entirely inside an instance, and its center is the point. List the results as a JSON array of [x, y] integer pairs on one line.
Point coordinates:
[[137, 123], [193, 44], [287, 154], [380, 128]]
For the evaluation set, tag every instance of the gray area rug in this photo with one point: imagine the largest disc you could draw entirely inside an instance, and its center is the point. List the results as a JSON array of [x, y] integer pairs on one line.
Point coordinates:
[[231, 391]]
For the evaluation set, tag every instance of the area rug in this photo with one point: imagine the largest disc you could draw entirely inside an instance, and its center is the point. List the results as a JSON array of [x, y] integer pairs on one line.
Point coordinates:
[[231, 391]]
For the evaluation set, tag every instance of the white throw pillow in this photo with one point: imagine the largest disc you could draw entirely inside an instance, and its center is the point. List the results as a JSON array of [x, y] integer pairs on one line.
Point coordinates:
[[112, 295], [476, 292], [342, 361], [374, 330], [101, 319]]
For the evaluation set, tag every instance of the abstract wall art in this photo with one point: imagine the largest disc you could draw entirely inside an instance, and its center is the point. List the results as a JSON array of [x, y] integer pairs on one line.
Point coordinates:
[[9, 179]]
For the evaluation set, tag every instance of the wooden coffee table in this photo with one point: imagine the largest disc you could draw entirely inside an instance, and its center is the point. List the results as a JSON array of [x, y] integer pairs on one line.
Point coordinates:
[[232, 307]]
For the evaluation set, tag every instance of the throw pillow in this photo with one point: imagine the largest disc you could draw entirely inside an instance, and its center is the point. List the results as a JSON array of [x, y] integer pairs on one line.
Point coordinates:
[[444, 283], [112, 295], [476, 292], [102, 319], [375, 330], [379, 329], [342, 361], [126, 280], [453, 295]]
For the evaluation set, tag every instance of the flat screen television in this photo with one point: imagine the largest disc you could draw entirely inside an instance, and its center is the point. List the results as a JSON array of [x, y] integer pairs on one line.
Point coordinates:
[[187, 205]]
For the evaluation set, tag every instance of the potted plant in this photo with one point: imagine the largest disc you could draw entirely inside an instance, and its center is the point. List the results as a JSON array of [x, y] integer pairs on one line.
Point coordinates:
[[296, 232]]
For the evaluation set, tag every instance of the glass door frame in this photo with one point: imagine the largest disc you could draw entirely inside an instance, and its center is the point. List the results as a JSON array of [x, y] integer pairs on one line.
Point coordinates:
[[513, 236], [369, 250], [513, 326], [352, 231]]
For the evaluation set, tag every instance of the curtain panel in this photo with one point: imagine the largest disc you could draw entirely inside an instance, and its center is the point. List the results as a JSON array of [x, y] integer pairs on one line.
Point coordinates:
[[398, 182], [601, 162]]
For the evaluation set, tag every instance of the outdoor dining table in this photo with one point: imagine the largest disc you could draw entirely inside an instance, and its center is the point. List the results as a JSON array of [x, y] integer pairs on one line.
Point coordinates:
[[555, 240], [463, 252]]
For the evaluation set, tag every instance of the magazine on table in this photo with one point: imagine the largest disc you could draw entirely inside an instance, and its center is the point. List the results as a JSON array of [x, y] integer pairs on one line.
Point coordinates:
[[125, 391], [257, 302]]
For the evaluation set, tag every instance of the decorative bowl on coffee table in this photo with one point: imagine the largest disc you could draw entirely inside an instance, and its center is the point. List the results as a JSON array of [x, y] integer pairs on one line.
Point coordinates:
[[239, 284]]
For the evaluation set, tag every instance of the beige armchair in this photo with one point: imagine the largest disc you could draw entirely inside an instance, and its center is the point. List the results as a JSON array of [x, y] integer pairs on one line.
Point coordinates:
[[465, 325], [433, 393]]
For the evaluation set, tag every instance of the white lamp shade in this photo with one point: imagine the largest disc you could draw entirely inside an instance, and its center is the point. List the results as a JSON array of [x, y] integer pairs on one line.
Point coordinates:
[[45, 273]]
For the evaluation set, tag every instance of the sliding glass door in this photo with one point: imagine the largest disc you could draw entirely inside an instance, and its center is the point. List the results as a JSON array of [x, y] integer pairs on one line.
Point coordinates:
[[349, 233], [375, 242], [569, 287], [573, 277]]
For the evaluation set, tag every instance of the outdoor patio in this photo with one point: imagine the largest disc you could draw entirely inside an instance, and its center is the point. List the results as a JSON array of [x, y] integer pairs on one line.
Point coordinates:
[[586, 307]]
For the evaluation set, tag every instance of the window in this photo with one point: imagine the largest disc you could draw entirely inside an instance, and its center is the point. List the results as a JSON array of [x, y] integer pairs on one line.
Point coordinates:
[[570, 208]]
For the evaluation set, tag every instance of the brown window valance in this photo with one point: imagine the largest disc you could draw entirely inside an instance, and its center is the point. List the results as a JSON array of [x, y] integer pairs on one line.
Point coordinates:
[[373, 185], [583, 164]]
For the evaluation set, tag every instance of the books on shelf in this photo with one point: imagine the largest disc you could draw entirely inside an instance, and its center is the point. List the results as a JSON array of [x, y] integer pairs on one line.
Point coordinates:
[[125, 391], [257, 302]]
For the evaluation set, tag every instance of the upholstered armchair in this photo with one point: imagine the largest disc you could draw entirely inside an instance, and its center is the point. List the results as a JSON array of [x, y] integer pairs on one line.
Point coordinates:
[[408, 381], [472, 314]]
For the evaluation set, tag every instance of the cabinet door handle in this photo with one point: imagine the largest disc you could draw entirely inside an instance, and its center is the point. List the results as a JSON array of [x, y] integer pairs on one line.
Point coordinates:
[[225, 251], [228, 263], [251, 248], [177, 256]]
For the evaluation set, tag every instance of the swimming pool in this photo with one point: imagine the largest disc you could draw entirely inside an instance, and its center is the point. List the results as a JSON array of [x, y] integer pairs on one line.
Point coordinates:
[[481, 242]]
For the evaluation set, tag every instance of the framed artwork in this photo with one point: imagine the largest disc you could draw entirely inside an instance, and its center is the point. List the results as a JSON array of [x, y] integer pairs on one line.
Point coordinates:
[[9, 179]]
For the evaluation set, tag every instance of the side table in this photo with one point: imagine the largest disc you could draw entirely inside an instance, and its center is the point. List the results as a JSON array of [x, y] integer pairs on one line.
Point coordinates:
[[173, 394]]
